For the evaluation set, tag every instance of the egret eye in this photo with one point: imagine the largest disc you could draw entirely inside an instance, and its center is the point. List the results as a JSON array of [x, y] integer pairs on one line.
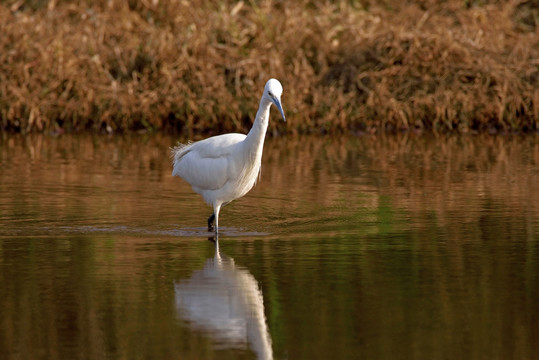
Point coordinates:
[[271, 94]]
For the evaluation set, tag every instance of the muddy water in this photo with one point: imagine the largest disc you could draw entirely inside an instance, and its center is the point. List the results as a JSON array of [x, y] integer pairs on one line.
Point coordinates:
[[406, 247]]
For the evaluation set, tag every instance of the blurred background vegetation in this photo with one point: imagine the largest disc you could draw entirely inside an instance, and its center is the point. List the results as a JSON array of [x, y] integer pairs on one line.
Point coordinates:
[[199, 67]]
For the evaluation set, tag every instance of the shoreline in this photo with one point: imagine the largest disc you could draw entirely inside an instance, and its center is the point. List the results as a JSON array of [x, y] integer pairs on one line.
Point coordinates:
[[103, 66]]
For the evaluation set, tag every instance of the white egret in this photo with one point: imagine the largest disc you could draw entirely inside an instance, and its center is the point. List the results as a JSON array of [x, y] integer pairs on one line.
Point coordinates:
[[225, 167]]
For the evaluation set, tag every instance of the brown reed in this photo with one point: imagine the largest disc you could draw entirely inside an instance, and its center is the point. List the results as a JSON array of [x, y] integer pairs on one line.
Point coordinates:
[[119, 65]]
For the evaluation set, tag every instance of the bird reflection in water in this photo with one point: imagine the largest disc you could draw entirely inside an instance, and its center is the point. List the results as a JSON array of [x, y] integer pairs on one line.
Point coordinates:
[[225, 302]]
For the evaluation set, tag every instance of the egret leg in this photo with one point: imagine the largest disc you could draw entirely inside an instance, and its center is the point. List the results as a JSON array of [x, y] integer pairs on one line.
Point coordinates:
[[210, 222], [216, 209]]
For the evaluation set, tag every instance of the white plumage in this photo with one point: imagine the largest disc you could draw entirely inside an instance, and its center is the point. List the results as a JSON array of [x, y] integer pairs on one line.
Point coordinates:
[[225, 167]]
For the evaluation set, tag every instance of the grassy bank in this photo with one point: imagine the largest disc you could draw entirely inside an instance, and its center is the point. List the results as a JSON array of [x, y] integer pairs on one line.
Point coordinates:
[[345, 65]]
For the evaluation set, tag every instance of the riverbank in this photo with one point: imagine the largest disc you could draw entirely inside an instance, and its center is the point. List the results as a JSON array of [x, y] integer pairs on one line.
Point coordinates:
[[345, 66]]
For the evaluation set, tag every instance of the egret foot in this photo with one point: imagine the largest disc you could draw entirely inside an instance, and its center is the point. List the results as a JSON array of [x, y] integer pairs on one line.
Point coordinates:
[[210, 222]]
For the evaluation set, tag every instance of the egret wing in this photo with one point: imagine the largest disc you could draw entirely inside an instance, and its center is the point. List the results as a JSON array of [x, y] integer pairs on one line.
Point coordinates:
[[218, 146], [204, 164]]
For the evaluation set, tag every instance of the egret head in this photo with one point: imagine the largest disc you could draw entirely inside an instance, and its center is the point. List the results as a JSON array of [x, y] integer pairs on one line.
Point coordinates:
[[273, 91]]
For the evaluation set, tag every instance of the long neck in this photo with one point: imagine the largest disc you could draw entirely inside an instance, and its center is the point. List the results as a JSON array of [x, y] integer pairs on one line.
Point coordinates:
[[255, 138]]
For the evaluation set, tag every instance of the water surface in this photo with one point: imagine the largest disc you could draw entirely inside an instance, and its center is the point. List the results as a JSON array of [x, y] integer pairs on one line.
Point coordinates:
[[385, 247]]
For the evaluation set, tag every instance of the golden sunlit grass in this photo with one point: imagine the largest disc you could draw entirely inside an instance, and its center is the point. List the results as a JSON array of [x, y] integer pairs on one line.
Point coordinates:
[[345, 66]]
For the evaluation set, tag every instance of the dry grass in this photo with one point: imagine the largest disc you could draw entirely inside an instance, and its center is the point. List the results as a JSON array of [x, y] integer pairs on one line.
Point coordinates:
[[345, 66]]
